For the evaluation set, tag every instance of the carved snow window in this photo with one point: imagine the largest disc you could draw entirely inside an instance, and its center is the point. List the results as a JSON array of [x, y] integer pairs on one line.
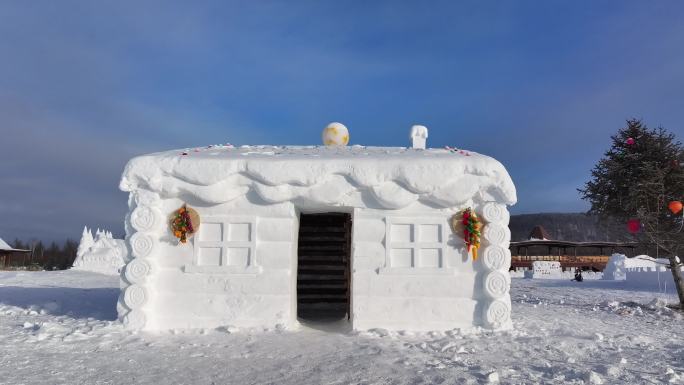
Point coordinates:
[[415, 245], [225, 244]]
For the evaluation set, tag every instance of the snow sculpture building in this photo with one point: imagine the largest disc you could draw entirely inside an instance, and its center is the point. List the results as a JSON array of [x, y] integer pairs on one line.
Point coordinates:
[[545, 270], [101, 253], [285, 229]]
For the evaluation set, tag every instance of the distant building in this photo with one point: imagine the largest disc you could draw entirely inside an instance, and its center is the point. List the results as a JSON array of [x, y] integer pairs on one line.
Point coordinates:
[[10, 256], [585, 255], [539, 233]]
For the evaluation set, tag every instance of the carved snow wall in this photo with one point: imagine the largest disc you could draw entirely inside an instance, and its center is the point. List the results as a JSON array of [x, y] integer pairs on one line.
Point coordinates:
[[412, 272], [409, 270]]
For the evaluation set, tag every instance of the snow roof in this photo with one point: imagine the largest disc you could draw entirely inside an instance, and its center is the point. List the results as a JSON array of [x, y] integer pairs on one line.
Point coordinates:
[[6, 247], [394, 176]]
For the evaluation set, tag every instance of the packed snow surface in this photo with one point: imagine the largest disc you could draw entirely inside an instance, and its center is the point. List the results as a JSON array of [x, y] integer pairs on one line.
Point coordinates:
[[60, 328], [394, 177]]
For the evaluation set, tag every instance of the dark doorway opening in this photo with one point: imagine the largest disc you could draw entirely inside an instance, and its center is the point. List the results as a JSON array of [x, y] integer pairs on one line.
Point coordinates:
[[323, 277]]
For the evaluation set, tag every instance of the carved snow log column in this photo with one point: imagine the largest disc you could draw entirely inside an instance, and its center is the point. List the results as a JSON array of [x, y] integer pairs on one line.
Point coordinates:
[[496, 259], [144, 225]]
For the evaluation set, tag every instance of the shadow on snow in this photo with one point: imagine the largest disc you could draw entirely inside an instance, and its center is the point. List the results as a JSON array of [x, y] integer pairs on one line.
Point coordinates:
[[97, 303]]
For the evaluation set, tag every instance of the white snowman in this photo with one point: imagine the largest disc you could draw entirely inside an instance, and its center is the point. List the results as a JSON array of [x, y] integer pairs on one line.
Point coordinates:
[[335, 134]]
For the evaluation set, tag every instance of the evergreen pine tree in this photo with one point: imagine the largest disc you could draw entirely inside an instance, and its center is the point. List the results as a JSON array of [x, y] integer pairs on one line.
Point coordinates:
[[636, 179], [68, 253]]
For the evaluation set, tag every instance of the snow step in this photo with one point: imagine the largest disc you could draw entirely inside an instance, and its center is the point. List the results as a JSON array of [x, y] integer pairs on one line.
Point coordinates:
[[322, 299], [308, 246], [319, 229], [321, 285], [332, 259], [341, 254], [321, 276], [322, 238], [318, 298], [321, 306], [327, 282], [319, 266], [327, 292]]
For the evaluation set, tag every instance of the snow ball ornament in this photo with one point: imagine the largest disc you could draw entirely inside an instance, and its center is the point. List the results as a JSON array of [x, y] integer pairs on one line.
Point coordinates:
[[675, 207], [335, 134], [633, 226]]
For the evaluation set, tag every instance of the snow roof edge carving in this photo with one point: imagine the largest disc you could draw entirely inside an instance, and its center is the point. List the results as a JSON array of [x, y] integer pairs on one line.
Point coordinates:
[[394, 177]]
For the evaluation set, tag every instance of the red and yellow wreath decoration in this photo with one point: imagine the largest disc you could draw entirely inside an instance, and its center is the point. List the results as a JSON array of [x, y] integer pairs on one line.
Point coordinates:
[[471, 230], [183, 223]]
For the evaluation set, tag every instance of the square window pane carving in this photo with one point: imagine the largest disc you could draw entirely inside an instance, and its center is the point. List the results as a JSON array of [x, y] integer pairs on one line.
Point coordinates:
[[240, 232], [225, 244], [209, 256], [431, 258], [401, 233], [416, 245], [430, 233], [402, 257], [238, 256], [211, 232]]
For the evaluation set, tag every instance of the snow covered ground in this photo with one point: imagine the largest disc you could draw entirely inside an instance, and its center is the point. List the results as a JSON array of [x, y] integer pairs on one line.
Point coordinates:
[[59, 328]]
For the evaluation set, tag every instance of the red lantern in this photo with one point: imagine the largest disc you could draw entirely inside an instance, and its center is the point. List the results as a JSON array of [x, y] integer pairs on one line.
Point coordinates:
[[630, 141], [633, 226], [675, 207]]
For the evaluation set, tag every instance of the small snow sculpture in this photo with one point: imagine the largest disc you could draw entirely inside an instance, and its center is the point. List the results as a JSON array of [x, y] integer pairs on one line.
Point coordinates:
[[335, 134], [618, 266], [545, 270], [101, 254], [419, 135]]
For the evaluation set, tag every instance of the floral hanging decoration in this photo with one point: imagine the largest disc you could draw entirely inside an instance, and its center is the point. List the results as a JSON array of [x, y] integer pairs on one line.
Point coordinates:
[[471, 230], [184, 223]]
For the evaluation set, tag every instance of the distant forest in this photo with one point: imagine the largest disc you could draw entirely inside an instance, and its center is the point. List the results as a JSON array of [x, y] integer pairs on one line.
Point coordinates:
[[575, 227], [578, 227], [51, 257]]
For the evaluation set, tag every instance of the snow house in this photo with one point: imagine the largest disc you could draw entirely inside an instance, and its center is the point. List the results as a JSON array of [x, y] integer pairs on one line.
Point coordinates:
[[288, 233]]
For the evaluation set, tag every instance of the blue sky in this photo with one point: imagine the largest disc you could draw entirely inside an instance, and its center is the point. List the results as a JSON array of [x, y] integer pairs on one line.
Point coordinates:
[[539, 85]]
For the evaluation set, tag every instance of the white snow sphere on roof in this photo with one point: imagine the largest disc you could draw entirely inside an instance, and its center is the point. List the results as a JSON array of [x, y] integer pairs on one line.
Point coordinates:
[[335, 134]]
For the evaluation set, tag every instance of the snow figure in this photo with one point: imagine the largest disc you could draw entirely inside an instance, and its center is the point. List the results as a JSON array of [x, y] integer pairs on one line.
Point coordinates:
[[102, 254], [335, 134], [419, 136]]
